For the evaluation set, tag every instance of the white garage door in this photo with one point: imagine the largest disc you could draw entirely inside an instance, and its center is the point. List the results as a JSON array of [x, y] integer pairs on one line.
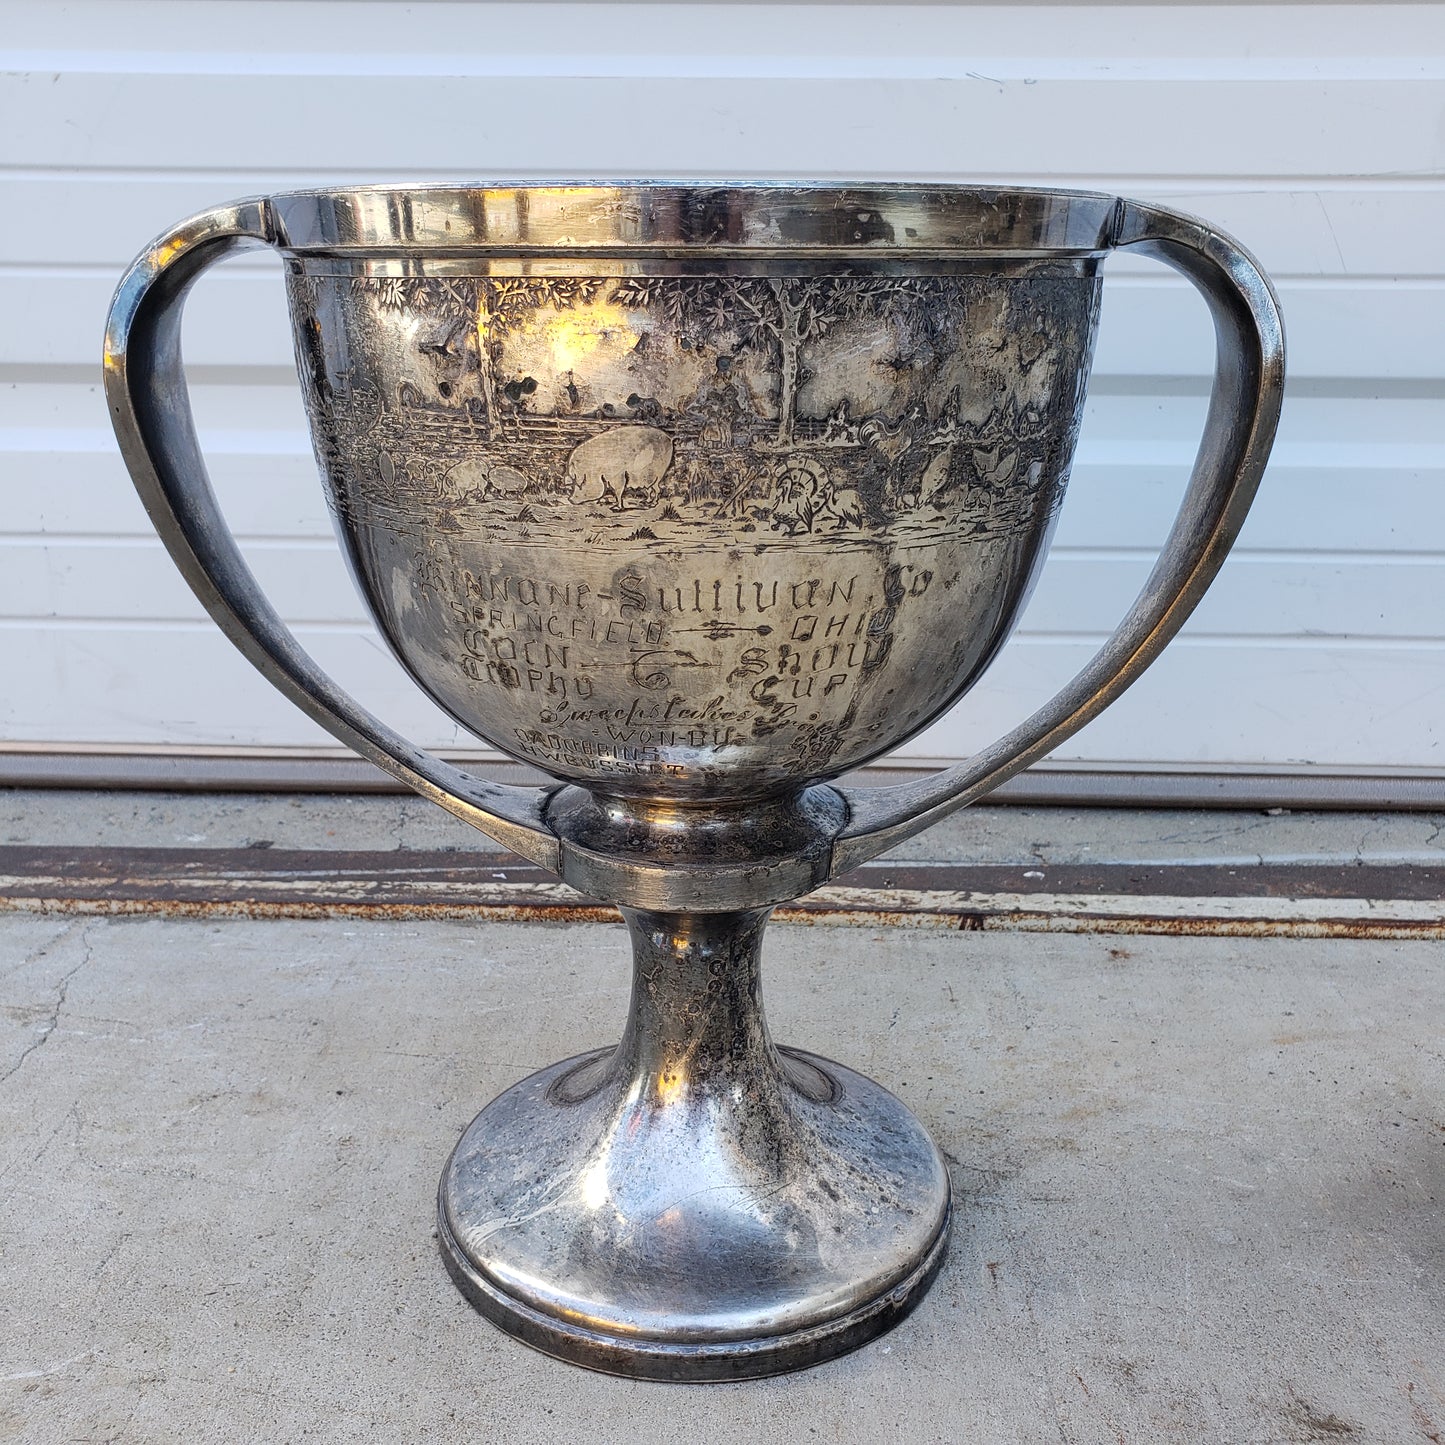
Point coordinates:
[[1316, 133]]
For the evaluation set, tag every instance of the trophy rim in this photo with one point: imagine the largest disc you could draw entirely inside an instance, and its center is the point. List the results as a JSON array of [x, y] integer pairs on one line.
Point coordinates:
[[915, 220]]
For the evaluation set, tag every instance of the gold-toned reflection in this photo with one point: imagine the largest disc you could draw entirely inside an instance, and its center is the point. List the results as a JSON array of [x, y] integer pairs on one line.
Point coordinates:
[[574, 339], [671, 1086], [562, 345]]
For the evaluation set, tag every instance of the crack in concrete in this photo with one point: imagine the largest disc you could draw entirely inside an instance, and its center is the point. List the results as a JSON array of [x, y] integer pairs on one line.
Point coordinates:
[[62, 992], [39, 952], [71, 1116], [1362, 847], [1234, 829], [399, 822]]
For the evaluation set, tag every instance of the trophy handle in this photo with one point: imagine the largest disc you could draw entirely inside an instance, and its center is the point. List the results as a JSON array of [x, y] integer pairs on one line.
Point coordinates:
[[146, 389], [1243, 412]]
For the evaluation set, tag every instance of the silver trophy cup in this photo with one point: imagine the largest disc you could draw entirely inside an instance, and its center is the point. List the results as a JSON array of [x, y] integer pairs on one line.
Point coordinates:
[[696, 498]]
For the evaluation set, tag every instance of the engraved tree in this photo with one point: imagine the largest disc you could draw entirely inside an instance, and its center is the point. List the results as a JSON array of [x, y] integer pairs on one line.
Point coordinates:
[[794, 312], [777, 315]]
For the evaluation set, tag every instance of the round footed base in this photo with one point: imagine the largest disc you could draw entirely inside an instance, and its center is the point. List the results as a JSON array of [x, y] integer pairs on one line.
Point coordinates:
[[702, 1238]]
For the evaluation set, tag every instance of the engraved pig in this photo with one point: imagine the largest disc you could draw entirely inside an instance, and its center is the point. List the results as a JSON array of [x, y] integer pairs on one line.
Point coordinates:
[[474, 480], [625, 459]]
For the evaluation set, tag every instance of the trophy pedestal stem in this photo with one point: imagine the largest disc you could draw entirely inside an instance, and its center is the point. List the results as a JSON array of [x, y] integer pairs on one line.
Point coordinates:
[[695, 1204]]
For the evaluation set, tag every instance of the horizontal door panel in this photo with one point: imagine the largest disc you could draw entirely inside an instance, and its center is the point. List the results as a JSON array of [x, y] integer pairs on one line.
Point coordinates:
[[1202, 703], [1149, 327], [1347, 474], [104, 580], [1113, 123], [134, 684], [467, 37], [258, 410], [1211, 703], [1080, 594]]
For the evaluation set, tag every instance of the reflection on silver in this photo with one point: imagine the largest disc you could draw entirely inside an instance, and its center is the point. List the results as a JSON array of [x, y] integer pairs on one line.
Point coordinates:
[[686, 537], [695, 1201], [696, 498]]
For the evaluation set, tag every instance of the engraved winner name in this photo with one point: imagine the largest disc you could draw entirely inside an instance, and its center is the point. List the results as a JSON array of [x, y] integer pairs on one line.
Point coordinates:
[[741, 596], [540, 606]]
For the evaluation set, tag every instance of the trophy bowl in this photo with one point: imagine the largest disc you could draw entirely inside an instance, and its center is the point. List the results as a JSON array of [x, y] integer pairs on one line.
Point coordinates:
[[697, 498]]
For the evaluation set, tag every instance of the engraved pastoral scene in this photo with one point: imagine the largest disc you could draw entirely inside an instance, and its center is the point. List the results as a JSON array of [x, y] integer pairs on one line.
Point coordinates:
[[678, 526]]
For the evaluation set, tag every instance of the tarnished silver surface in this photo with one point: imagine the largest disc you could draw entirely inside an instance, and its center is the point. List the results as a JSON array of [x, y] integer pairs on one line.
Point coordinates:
[[695, 1203], [697, 497], [680, 537]]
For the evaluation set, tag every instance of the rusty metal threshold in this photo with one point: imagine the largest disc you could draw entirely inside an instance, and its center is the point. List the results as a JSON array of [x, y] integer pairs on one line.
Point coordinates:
[[1324, 900], [1046, 784]]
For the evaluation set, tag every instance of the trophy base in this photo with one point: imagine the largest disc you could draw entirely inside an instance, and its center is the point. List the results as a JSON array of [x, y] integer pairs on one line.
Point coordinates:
[[706, 1235]]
